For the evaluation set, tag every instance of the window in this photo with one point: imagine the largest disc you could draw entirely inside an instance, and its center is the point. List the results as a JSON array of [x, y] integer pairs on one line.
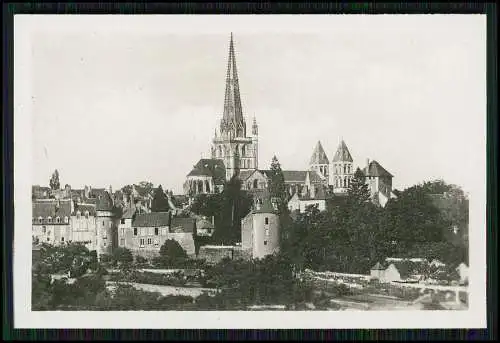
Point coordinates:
[[265, 242], [62, 239], [44, 230], [122, 221], [122, 242], [123, 232], [103, 224], [156, 231], [48, 239], [267, 232], [49, 220], [66, 220], [40, 219], [255, 183], [104, 244], [141, 242], [150, 241], [266, 220], [156, 243], [135, 231], [58, 220]]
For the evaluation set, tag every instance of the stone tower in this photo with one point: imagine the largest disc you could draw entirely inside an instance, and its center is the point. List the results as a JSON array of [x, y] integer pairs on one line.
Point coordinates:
[[341, 169], [231, 144], [319, 161]]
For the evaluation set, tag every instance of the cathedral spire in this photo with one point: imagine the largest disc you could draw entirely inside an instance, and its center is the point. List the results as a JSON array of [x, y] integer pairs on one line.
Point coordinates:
[[232, 118]]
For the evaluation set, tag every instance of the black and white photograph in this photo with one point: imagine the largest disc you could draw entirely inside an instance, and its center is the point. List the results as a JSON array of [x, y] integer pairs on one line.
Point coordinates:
[[323, 171]]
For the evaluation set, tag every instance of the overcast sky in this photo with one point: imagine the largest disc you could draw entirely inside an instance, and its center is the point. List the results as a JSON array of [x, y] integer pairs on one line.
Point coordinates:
[[125, 99]]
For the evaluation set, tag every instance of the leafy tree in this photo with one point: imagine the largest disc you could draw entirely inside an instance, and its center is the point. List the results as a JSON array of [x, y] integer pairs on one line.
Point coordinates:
[[160, 201], [277, 181], [122, 256], [358, 189], [54, 181], [172, 254]]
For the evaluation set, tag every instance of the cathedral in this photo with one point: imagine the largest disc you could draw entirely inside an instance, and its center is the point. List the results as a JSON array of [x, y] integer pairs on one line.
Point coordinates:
[[234, 152]]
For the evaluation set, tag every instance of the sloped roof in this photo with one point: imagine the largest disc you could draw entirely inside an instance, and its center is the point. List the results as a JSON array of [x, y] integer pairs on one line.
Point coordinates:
[[378, 266], [375, 169], [294, 175], [153, 219], [51, 208], [210, 167], [91, 208], [406, 268], [320, 194], [265, 207], [245, 174], [342, 154], [129, 212], [319, 155], [185, 225], [104, 202]]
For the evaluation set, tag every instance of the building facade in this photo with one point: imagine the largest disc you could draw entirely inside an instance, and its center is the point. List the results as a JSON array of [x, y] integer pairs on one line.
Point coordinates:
[[341, 169]]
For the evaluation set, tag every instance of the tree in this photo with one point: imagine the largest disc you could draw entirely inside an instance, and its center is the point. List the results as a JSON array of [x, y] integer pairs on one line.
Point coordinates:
[[160, 201], [358, 189], [172, 254], [122, 256], [277, 181], [54, 181]]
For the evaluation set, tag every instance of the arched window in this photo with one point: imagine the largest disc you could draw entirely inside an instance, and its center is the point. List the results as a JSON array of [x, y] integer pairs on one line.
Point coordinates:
[[87, 214], [207, 186], [66, 220], [255, 183], [49, 220], [58, 220], [242, 150], [40, 220], [200, 186]]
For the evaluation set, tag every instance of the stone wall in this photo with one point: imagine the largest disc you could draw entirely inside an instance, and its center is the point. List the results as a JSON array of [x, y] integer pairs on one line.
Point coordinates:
[[215, 253]]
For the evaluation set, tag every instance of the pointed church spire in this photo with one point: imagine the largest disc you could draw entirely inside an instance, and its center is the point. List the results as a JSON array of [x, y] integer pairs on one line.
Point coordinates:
[[232, 118], [319, 155], [342, 153]]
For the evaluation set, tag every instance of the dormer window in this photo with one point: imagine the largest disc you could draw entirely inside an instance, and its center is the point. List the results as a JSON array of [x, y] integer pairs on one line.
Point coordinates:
[[49, 220], [58, 220]]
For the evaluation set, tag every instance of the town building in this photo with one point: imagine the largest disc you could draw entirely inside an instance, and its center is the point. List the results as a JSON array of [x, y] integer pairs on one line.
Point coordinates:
[[260, 230], [299, 202], [51, 221], [379, 182], [148, 232]]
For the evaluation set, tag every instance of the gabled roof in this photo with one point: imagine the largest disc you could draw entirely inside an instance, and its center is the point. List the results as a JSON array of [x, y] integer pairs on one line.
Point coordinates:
[[319, 155], [210, 167], [184, 225], [342, 154], [245, 174], [51, 208], [375, 169], [294, 176], [153, 219]]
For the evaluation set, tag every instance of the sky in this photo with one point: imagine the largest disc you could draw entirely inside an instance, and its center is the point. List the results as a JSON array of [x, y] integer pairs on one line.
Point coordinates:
[[115, 101]]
